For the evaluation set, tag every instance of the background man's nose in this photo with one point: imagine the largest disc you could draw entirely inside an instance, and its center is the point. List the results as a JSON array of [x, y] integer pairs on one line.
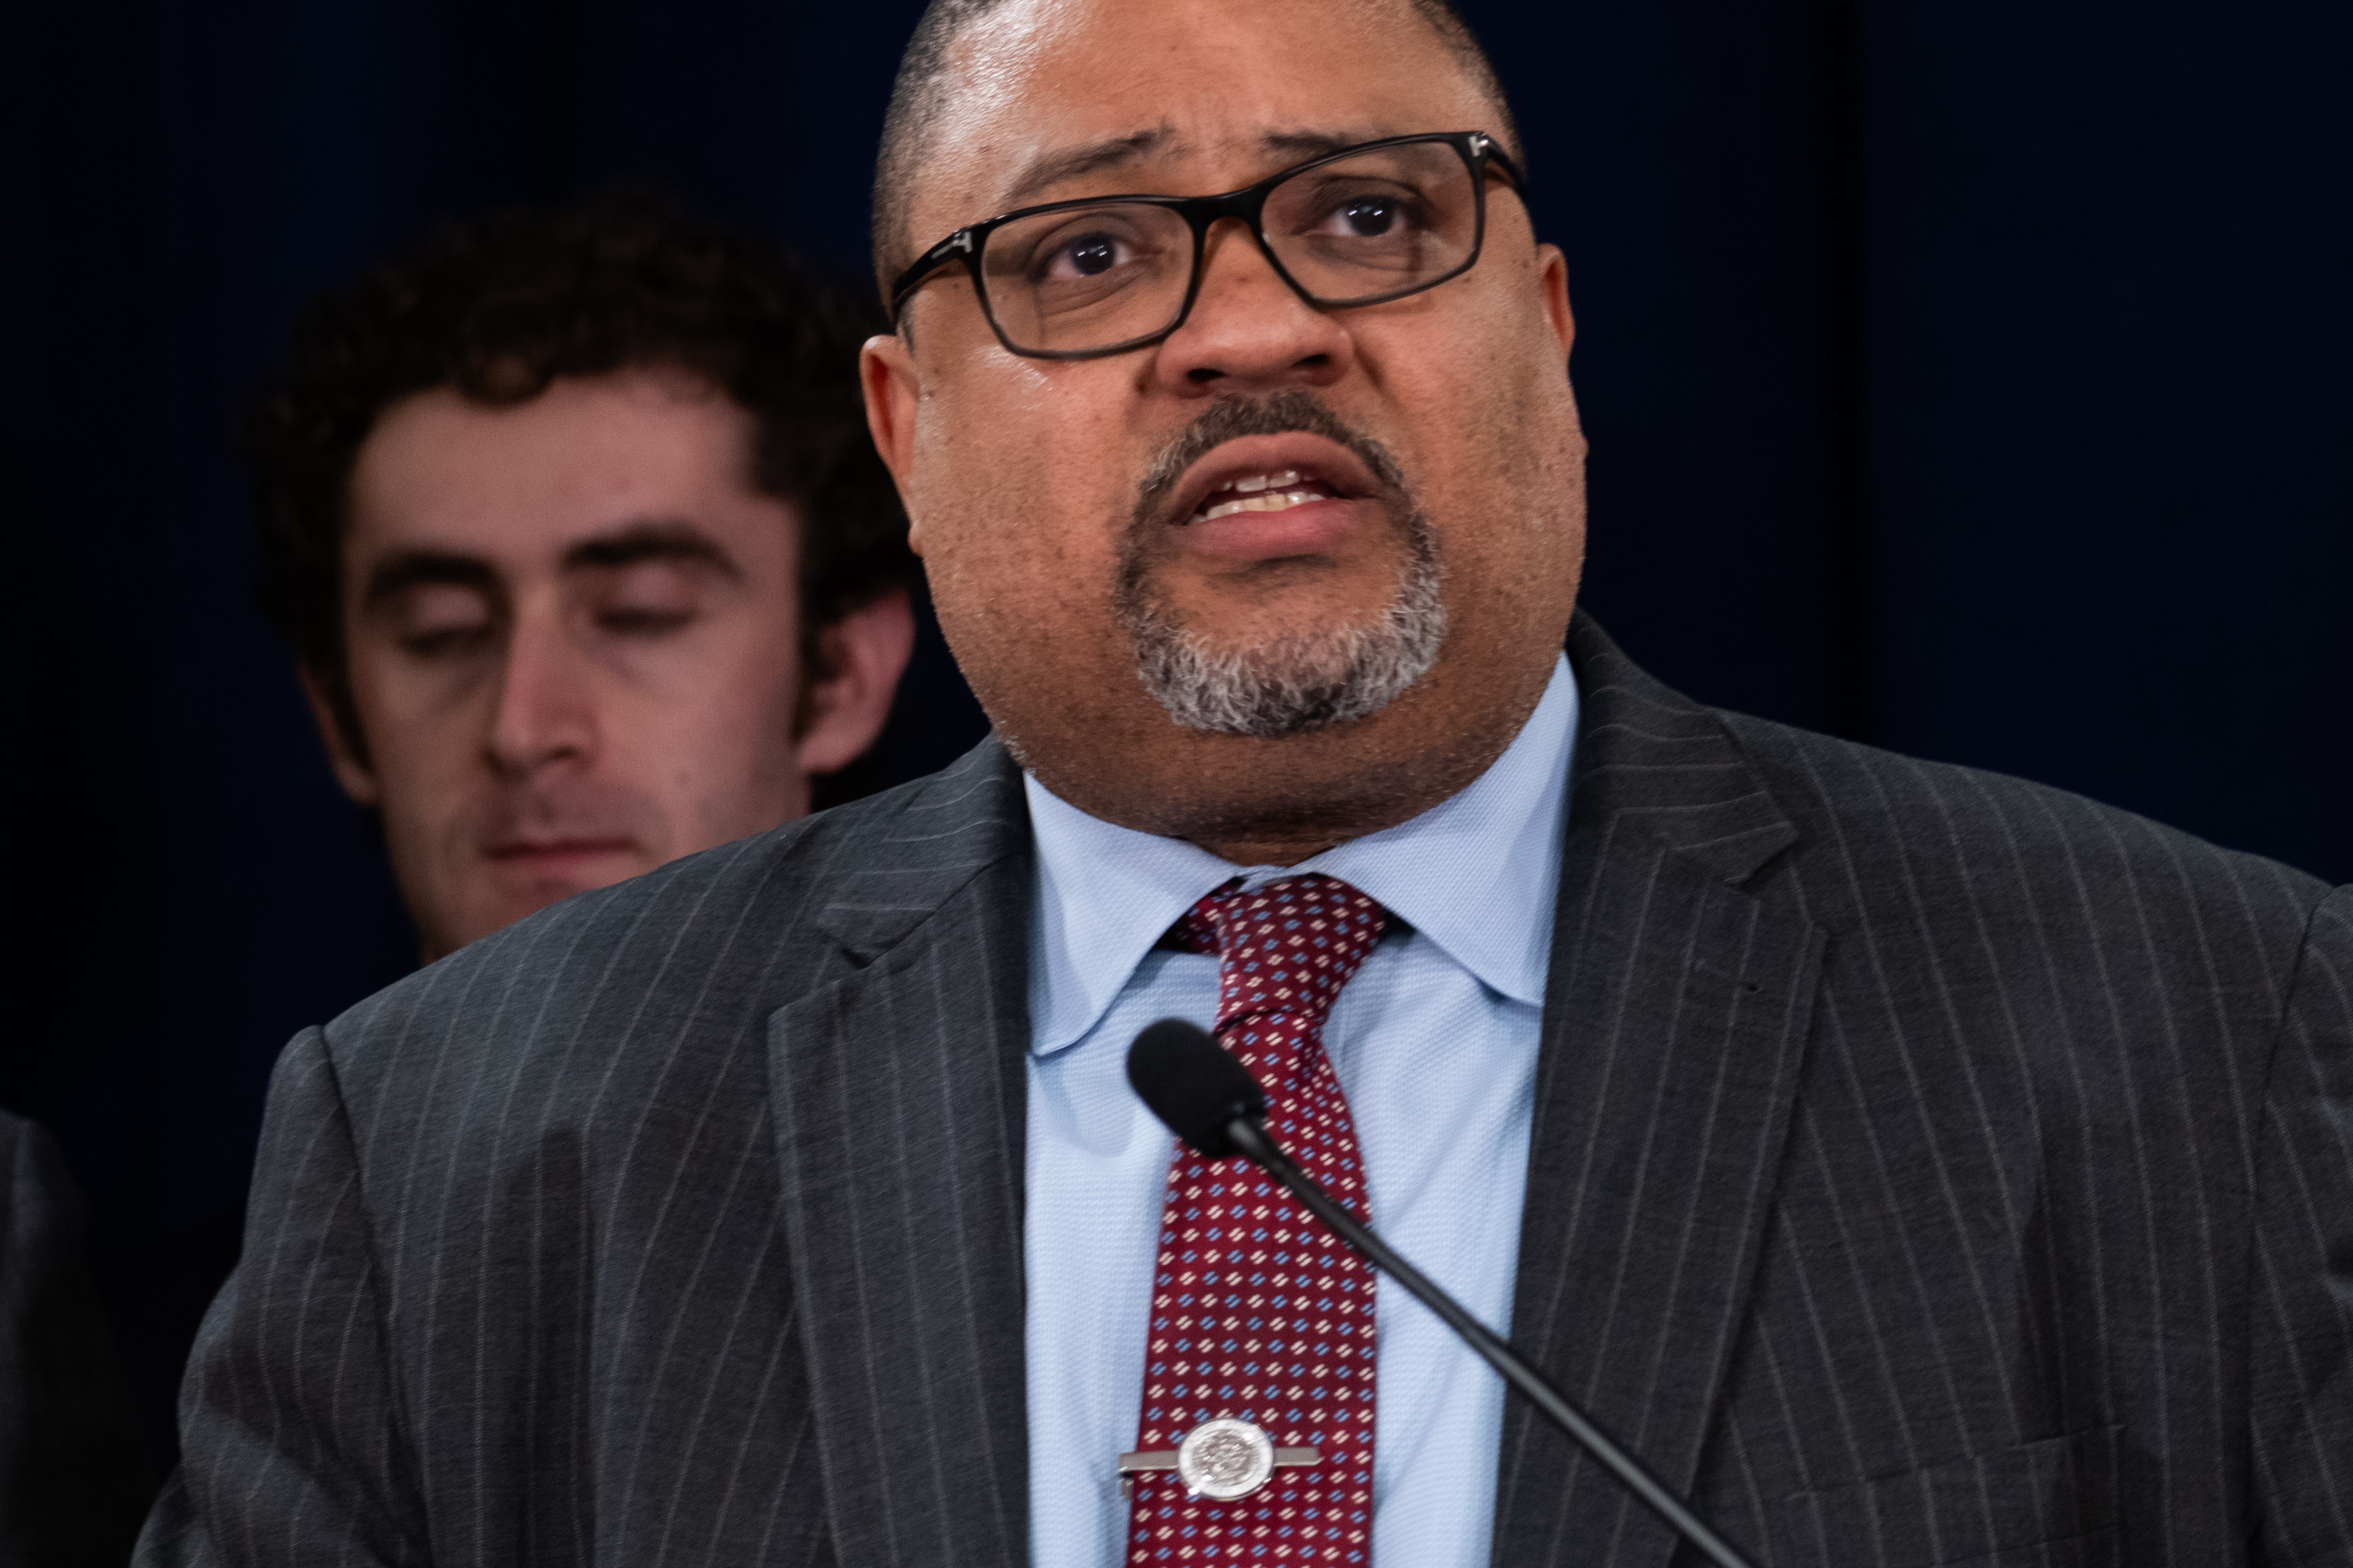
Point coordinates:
[[544, 712], [1247, 327]]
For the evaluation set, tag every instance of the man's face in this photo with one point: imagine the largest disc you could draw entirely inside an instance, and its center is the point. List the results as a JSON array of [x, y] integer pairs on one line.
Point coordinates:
[[1425, 452], [573, 635]]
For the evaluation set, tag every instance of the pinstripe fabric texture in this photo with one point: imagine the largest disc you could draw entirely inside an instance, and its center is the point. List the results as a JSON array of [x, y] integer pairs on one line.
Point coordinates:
[[679, 1224], [1930, 1168]]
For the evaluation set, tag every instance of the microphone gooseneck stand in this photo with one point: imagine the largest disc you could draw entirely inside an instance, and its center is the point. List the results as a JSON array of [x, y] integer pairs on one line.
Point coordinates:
[[1213, 1104]]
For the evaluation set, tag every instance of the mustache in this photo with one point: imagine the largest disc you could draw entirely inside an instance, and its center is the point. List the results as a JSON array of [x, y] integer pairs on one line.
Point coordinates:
[[1277, 414]]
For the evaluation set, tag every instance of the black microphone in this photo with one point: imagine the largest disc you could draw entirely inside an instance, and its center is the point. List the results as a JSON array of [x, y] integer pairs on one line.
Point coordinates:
[[1211, 1101]]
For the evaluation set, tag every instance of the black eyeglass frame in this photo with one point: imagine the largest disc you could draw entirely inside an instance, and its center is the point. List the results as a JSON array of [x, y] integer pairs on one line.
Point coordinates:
[[1478, 151]]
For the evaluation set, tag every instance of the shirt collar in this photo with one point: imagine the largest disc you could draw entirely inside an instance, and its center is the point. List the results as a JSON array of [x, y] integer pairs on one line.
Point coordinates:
[[1476, 873]]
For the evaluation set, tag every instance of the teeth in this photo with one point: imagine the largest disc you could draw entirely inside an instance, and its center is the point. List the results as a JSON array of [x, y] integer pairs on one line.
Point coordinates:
[[1273, 500], [1261, 492]]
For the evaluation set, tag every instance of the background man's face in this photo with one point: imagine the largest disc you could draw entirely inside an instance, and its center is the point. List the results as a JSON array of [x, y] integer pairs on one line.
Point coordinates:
[[573, 635], [1026, 479]]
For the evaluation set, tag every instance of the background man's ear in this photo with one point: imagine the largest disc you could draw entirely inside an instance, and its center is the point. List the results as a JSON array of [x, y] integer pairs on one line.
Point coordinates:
[[863, 656], [358, 780]]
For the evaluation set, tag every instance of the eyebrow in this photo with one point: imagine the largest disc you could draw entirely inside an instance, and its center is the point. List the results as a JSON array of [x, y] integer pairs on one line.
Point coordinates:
[[397, 574], [1046, 170], [652, 539], [1301, 145]]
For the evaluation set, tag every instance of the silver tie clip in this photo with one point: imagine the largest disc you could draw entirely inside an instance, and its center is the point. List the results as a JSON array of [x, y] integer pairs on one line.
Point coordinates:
[[1223, 1461]]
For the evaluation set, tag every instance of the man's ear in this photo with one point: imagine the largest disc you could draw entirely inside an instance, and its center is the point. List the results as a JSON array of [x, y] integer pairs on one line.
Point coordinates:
[[358, 780], [886, 373], [1552, 270], [863, 653]]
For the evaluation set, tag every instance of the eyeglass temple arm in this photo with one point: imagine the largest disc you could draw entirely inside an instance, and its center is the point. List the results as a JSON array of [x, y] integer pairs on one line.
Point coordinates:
[[958, 246], [1494, 151]]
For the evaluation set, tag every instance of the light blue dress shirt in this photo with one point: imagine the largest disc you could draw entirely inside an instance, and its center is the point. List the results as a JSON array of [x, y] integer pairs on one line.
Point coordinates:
[[1435, 1045]]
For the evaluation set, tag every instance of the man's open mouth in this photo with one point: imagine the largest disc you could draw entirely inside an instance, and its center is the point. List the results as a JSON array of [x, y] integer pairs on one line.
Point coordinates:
[[1277, 491]]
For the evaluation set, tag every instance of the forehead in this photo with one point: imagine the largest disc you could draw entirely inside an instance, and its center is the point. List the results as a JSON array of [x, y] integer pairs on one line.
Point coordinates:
[[441, 472], [1179, 96]]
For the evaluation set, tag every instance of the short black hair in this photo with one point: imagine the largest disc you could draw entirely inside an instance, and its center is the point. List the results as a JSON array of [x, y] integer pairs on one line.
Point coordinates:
[[499, 307], [915, 99]]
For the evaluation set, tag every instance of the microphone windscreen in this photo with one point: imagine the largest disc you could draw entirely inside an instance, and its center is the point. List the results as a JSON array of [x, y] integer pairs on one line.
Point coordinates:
[[1191, 1082]]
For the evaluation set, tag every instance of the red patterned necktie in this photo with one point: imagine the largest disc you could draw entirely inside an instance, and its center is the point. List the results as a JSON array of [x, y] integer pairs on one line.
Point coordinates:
[[1258, 1315]]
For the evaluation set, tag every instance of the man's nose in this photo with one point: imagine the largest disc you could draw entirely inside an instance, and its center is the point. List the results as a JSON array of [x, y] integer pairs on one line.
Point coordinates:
[[546, 712], [1249, 329]]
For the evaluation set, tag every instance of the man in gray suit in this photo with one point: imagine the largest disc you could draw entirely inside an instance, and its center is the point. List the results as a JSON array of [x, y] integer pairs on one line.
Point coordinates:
[[1917, 1166]]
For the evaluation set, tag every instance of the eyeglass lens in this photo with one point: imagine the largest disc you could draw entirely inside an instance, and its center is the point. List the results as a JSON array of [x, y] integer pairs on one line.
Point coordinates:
[[1369, 226]]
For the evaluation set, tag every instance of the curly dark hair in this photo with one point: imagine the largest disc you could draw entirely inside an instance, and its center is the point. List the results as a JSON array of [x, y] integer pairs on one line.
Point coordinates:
[[497, 307]]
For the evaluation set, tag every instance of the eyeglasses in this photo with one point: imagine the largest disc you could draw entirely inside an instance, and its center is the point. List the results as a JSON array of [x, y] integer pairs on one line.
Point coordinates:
[[1103, 275]]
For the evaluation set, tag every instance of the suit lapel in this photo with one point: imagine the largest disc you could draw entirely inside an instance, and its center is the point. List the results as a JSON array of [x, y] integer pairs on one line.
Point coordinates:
[[1675, 1017], [898, 1091]]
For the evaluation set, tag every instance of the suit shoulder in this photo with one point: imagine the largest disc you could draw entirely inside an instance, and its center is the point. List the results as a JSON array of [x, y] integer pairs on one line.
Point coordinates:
[[1891, 825]]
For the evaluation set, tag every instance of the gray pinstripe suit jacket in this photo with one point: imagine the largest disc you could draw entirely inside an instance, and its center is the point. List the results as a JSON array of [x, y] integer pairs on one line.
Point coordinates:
[[1928, 1168]]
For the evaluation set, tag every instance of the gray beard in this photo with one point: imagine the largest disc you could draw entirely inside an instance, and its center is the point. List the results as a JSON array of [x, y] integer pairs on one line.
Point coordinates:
[[1299, 681]]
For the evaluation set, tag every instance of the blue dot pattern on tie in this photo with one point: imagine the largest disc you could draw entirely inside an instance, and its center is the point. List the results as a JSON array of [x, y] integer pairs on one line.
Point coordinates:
[[1257, 1311]]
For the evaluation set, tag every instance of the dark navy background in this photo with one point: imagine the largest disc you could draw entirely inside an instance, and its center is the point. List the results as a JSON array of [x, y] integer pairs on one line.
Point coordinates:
[[1965, 377]]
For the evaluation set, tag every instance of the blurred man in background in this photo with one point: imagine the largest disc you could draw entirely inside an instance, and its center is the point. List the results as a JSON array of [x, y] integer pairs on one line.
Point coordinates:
[[573, 521], [73, 1480]]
